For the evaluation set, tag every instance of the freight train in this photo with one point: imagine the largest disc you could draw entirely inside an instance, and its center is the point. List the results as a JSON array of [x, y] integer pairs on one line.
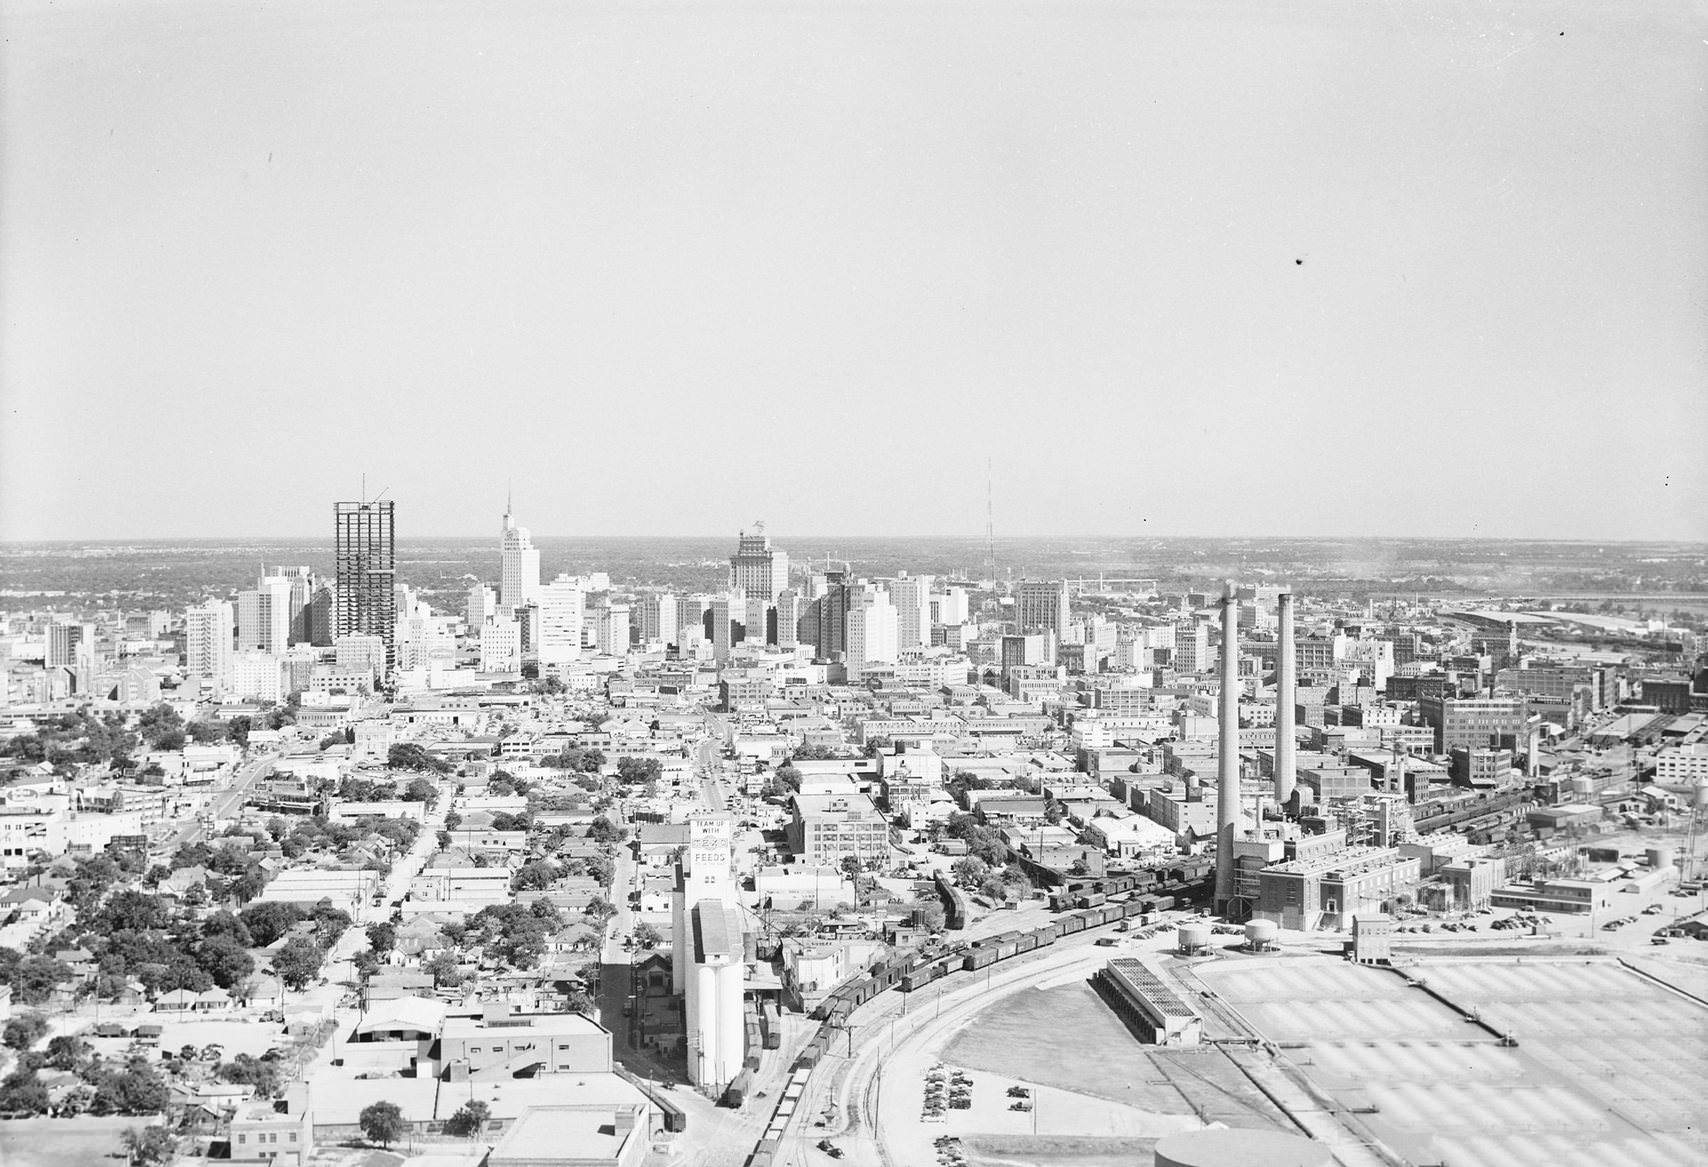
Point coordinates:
[[1165, 890], [954, 903]]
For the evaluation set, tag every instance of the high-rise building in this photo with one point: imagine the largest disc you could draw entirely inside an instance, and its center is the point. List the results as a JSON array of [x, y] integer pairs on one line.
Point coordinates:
[[912, 598], [500, 647], [366, 562], [264, 616], [1042, 606], [827, 617], [480, 606], [871, 631], [322, 619], [611, 630], [723, 612], [788, 619], [64, 638], [208, 630], [1191, 651], [520, 581], [757, 570], [658, 619], [302, 585], [562, 607]]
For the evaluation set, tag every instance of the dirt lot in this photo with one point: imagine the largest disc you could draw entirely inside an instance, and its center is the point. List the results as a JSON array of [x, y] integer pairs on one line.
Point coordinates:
[[1067, 1038], [1029, 1151], [62, 1142]]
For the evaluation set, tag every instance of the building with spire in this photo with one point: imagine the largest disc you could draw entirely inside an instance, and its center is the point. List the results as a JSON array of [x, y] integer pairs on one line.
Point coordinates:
[[519, 582]]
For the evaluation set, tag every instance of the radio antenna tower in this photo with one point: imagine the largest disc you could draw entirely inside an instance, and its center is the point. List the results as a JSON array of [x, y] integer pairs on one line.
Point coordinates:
[[989, 525]]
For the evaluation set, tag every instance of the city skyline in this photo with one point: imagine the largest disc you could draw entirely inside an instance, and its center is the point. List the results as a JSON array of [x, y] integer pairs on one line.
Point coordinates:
[[1180, 270]]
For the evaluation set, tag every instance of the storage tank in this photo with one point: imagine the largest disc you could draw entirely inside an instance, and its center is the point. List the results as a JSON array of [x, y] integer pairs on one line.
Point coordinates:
[[1193, 937], [1261, 935], [1660, 858], [1240, 1148], [1583, 787], [1700, 802]]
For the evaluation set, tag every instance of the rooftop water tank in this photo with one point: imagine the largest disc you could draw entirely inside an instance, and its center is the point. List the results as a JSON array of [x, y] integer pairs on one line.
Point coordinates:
[[1240, 1148], [1261, 933], [1194, 936], [1660, 858]]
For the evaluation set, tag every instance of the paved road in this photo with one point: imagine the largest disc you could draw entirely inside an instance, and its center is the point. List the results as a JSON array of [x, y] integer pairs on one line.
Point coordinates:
[[222, 804]]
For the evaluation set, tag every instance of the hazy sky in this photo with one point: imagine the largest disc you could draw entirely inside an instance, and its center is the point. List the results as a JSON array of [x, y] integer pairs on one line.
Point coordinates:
[[1177, 268]]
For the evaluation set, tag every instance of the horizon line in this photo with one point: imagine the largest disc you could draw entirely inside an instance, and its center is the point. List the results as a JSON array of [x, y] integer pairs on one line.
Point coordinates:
[[331, 538]]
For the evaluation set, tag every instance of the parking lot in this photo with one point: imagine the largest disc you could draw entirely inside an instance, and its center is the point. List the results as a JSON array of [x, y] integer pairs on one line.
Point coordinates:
[[1607, 1066]]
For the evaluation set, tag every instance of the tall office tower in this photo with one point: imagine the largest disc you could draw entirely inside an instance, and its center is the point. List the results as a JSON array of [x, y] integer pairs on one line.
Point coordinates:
[[758, 570], [912, 598], [723, 612], [264, 616], [708, 964], [520, 581], [1042, 606], [302, 583], [691, 619], [828, 616], [871, 632], [366, 561], [1191, 647], [208, 631], [561, 605], [658, 619], [361, 651], [611, 630], [788, 619], [480, 606], [501, 646], [322, 617], [64, 638]]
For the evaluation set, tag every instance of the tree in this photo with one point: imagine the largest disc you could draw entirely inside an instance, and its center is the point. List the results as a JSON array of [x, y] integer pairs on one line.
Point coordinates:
[[535, 875], [969, 870], [648, 936], [68, 1053], [639, 771], [420, 790], [23, 1093], [268, 922], [267, 1078], [150, 1145], [602, 868], [446, 968], [469, 1120], [382, 936], [208, 730], [851, 865], [382, 1122], [602, 830], [409, 756], [24, 1031], [225, 960], [298, 962]]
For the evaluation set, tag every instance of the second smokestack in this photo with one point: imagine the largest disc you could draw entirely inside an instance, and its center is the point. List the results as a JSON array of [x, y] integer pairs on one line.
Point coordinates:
[[1227, 751], [1286, 693]]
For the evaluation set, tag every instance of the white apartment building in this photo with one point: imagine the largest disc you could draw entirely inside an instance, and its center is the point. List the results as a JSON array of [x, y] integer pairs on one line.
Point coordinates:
[[871, 632], [481, 606], [657, 616], [911, 596], [208, 631], [562, 605], [1682, 765], [255, 676], [501, 647]]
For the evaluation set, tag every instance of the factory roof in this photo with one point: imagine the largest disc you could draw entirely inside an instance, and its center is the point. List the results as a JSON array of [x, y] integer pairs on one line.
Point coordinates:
[[1151, 987], [1356, 858]]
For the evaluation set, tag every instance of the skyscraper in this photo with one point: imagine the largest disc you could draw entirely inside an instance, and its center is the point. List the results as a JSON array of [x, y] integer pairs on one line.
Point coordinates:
[[1042, 606], [264, 616], [757, 570], [365, 559], [520, 581]]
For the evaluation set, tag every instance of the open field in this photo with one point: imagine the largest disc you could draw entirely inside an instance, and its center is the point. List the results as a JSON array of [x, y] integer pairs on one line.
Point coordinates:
[[63, 1142], [1606, 1070], [1067, 1038]]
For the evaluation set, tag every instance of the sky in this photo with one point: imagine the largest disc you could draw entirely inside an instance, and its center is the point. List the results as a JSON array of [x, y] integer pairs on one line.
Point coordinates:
[[1194, 268]]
